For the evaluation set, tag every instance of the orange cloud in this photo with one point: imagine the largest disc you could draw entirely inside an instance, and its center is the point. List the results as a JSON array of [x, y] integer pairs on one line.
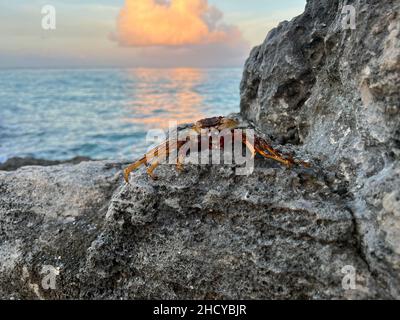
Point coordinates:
[[172, 23]]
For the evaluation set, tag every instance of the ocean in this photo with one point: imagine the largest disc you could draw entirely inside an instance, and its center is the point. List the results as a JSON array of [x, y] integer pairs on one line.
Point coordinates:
[[104, 113]]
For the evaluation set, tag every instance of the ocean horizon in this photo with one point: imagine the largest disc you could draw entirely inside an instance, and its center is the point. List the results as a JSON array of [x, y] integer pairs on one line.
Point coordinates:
[[105, 113]]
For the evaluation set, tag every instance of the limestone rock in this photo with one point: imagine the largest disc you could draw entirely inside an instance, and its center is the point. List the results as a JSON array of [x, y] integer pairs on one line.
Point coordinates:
[[334, 93]]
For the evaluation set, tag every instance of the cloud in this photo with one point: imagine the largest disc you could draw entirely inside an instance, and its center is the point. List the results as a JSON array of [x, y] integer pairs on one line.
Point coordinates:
[[172, 23]]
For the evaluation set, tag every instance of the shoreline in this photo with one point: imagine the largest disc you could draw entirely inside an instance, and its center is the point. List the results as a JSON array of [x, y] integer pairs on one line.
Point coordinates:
[[15, 163]]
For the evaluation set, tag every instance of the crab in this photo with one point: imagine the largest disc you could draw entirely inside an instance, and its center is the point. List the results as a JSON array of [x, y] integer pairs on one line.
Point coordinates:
[[257, 145]]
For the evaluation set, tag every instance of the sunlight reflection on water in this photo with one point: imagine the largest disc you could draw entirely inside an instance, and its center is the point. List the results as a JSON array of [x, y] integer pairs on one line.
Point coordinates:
[[167, 95]]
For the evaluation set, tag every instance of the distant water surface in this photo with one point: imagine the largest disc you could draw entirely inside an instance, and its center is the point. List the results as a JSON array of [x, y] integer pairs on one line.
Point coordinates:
[[104, 114]]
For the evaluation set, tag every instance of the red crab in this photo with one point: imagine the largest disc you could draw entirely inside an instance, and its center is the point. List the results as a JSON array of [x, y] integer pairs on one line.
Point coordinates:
[[256, 145]]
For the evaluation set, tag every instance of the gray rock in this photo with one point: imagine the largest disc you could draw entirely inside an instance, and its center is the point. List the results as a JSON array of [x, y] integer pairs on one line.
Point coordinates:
[[335, 94], [328, 95], [208, 233], [17, 162], [49, 217], [205, 233]]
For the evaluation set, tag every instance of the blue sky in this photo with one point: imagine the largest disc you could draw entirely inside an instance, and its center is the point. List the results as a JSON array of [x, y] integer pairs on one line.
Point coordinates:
[[85, 29]]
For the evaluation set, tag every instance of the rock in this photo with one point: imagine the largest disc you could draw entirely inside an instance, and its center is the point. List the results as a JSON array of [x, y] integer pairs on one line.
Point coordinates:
[[49, 218], [17, 162], [209, 234], [278, 233], [335, 95], [331, 231]]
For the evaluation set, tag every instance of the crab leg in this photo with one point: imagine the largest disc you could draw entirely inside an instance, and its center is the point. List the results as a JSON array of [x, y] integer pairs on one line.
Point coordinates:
[[179, 162], [262, 146], [265, 146], [272, 150], [152, 168], [161, 152], [250, 146], [154, 153], [133, 167], [182, 152], [286, 162]]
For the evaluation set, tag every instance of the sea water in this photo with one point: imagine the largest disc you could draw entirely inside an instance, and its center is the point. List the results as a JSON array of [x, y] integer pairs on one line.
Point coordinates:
[[104, 113]]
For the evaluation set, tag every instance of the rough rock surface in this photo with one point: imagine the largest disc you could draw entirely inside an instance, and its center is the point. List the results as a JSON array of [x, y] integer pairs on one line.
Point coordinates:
[[326, 94], [49, 217], [207, 233], [335, 94]]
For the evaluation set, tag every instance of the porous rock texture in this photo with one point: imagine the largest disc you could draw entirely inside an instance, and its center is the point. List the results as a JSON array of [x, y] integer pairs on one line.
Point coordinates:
[[335, 94], [328, 95]]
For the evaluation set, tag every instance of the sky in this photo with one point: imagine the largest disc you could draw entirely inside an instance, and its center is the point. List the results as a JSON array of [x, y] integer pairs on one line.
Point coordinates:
[[137, 33]]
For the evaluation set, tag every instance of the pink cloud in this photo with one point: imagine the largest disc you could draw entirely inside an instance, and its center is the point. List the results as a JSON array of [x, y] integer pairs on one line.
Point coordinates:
[[173, 23]]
